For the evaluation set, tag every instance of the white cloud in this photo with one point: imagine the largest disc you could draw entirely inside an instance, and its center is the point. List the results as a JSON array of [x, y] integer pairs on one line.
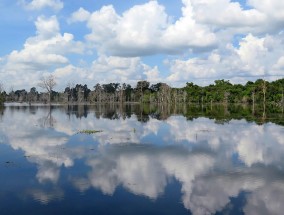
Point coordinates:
[[47, 27], [187, 33], [191, 69], [225, 13], [202, 25], [109, 69], [71, 74], [205, 31], [280, 63], [153, 75], [40, 4], [134, 34], [272, 8], [40, 54], [231, 17], [103, 23], [80, 15], [256, 57]]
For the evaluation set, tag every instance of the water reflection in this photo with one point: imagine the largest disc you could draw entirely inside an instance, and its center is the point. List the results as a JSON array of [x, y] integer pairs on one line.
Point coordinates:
[[213, 160], [45, 197]]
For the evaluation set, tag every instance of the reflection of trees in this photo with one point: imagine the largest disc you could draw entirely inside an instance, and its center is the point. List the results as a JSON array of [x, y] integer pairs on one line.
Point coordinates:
[[264, 113], [48, 120], [221, 113], [1, 112]]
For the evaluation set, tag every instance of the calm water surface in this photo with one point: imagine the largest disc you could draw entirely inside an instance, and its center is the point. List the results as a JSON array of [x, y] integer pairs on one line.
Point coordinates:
[[142, 162]]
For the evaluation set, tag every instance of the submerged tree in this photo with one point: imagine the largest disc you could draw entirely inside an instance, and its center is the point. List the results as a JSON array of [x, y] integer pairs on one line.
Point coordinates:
[[141, 87], [48, 83], [32, 95]]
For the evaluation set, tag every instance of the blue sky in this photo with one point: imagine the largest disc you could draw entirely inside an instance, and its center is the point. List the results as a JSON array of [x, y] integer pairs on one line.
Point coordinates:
[[181, 41]]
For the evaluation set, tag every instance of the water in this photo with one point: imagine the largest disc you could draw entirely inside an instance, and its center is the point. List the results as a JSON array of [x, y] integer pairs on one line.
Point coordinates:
[[184, 160]]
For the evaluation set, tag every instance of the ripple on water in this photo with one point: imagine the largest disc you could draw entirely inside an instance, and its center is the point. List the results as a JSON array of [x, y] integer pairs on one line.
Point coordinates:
[[44, 197]]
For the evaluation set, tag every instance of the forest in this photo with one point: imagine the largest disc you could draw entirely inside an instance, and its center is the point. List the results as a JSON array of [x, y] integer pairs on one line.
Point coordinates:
[[221, 92]]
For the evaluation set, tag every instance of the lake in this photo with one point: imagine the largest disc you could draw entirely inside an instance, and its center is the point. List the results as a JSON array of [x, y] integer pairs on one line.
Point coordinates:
[[143, 160]]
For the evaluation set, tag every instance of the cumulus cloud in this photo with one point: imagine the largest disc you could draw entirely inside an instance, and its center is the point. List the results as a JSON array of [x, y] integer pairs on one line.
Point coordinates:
[[272, 8], [227, 18], [256, 57], [210, 40], [40, 4], [79, 16], [108, 69], [134, 34], [46, 53], [203, 26], [47, 27], [40, 54], [122, 69], [232, 17], [280, 64], [225, 13], [199, 27]]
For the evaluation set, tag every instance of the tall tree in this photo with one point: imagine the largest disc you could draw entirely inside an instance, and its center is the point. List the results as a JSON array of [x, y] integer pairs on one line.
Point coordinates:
[[141, 87], [1, 94], [98, 93], [48, 83], [32, 95], [264, 87]]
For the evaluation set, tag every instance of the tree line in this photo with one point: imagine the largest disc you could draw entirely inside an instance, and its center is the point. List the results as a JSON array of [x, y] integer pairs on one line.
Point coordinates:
[[222, 91]]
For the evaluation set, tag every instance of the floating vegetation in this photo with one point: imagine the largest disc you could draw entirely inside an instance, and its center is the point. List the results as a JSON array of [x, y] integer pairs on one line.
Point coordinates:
[[10, 164], [89, 131], [205, 130]]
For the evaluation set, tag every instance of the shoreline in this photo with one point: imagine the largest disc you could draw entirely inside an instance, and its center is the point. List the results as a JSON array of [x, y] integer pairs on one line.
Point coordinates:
[[132, 103]]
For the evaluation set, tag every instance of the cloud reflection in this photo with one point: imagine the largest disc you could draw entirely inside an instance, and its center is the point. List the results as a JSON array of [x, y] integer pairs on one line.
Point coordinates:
[[212, 162], [44, 197]]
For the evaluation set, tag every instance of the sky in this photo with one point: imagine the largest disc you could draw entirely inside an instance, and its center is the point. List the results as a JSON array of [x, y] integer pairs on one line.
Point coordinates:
[[96, 41]]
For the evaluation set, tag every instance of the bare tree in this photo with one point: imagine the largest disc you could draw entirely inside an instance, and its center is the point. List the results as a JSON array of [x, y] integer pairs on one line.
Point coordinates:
[[164, 94], [48, 83], [121, 92], [264, 87], [71, 87]]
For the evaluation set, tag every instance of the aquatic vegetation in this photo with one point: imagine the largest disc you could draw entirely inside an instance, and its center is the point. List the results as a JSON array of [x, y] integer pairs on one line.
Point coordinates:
[[89, 131]]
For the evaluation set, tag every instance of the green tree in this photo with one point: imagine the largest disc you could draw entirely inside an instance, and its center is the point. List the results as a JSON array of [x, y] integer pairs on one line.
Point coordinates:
[[141, 87]]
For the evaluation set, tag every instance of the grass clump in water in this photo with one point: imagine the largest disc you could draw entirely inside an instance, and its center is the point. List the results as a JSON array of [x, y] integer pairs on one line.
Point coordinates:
[[89, 131]]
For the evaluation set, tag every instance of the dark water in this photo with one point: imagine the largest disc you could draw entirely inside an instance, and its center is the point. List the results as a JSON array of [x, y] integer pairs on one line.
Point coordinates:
[[185, 160]]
